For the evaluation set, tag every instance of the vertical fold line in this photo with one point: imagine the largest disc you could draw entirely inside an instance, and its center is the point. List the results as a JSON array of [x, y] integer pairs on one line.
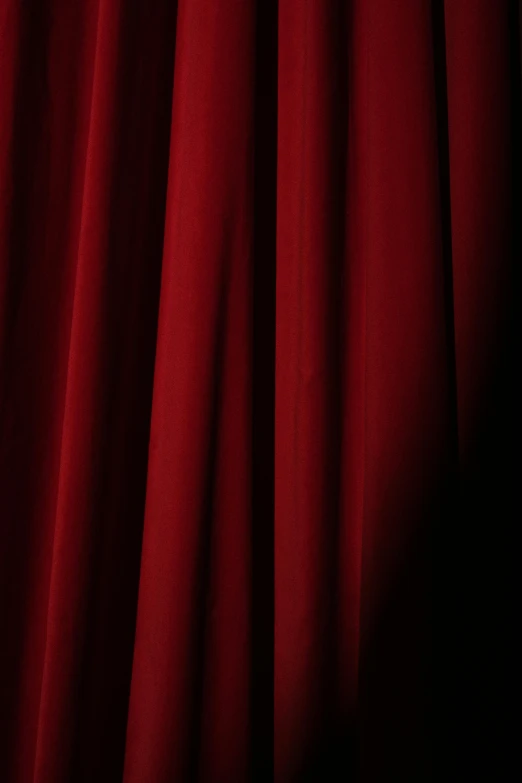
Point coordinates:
[[440, 533], [263, 390], [364, 341], [337, 298], [158, 308], [300, 261], [441, 103], [73, 310], [204, 559]]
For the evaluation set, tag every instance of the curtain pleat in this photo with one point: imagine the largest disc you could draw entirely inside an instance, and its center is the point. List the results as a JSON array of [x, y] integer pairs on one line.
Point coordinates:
[[257, 351]]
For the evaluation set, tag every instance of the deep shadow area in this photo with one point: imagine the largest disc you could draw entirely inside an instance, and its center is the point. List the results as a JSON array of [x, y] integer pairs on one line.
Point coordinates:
[[137, 206], [437, 698], [263, 396]]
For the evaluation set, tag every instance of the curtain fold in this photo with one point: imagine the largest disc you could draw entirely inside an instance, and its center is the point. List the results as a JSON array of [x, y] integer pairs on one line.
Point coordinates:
[[257, 388]]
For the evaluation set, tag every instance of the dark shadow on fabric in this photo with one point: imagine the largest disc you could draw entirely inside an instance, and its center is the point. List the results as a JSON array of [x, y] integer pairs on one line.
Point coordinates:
[[22, 457], [131, 300], [437, 665], [263, 401], [327, 690], [30, 105], [441, 103], [204, 567]]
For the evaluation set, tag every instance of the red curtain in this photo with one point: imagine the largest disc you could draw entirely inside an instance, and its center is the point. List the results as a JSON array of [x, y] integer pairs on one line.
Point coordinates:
[[256, 393]]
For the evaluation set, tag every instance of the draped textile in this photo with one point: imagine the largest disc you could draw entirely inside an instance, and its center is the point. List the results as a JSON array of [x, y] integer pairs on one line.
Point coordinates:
[[256, 394]]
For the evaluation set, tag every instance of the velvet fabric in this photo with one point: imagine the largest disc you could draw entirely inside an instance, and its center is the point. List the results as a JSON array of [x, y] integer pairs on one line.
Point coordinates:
[[257, 407]]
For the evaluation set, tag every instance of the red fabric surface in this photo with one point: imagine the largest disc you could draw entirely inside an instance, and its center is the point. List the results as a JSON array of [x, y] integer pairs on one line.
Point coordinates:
[[257, 269]]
